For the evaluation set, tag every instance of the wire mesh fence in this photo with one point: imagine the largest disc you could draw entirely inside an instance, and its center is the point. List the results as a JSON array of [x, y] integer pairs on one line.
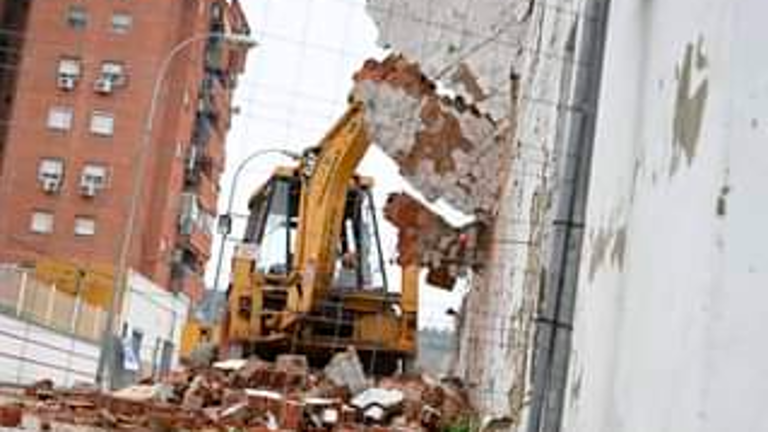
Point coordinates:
[[296, 104]]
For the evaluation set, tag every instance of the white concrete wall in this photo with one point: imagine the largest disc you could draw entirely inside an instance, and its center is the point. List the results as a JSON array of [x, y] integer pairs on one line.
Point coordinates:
[[157, 313], [495, 38], [29, 352], [672, 304]]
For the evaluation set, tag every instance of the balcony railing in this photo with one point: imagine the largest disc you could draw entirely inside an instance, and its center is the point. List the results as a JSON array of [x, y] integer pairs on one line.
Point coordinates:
[[186, 280], [198, 163], [203, 130]]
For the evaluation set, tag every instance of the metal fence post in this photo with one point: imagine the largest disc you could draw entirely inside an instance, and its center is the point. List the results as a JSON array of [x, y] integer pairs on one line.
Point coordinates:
[[49, 306], [21, 293], [76, 312], [78, 300]]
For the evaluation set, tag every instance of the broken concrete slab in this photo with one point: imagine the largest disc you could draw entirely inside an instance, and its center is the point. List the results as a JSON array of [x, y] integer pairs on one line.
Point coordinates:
[[377, 404], [136, 393], [346, 370], [293, 363], [230, 364], [237, 413]]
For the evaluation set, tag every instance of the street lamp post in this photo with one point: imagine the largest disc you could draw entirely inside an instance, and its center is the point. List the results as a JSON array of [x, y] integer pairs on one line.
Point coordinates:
[[106, 355], [225, 220]]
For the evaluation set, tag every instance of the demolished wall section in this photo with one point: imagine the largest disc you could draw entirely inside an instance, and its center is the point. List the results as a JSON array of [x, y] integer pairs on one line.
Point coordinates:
[[445, 148], [469, 45], [474, 48]]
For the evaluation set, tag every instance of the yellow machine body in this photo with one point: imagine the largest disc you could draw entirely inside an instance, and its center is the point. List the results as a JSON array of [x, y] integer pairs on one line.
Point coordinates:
[[319, 292]]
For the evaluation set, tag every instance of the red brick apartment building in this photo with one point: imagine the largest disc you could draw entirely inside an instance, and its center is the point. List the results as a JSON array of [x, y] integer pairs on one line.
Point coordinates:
[[76, 80]]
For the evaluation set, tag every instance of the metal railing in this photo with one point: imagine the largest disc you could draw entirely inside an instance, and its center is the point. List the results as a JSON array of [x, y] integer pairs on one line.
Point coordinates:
[[25, 297]]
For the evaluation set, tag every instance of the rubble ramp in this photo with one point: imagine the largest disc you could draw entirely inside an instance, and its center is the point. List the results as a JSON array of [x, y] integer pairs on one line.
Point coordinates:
[[248, 395]]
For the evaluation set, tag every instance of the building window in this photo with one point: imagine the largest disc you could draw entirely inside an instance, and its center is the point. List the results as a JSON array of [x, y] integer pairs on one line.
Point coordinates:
[[216, 12], [85, 226], [102, 123], [68, 73], [93, 179], [77, 17], [114, 72], [50, 174], [121, 22], [60, 118], [41, 222], [69, 67]]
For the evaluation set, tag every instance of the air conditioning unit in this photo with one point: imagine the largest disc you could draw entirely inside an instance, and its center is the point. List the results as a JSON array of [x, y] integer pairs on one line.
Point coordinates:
[[103, 86], [88, 190], [192, 158], [51, 185], [186, 225], [67, 82]]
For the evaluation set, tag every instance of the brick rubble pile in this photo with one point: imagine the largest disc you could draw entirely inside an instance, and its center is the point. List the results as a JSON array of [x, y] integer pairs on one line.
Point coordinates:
[[249, 395]]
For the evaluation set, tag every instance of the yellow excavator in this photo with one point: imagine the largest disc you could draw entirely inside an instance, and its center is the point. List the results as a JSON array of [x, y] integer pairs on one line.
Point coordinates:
[[309, 276]]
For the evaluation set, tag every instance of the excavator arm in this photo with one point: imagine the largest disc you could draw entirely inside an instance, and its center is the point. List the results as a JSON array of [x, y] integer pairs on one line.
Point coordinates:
[[327, 170]]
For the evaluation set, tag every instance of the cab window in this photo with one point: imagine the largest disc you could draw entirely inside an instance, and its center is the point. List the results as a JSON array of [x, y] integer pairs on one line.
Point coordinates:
[[272, 225], [359, 264]]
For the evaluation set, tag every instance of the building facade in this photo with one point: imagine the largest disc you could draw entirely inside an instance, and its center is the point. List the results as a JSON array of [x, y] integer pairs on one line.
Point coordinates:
[[77, 86]]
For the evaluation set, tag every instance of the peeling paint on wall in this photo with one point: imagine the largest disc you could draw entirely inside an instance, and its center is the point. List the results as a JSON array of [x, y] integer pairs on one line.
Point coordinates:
[[598, 247], [673, 333], [721, 208], [607, 246], [619, 247], [464, 77], [575, 388], [690, 104]]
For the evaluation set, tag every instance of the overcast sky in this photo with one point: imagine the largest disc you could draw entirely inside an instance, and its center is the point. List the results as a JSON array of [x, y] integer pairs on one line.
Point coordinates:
[[294, 88]]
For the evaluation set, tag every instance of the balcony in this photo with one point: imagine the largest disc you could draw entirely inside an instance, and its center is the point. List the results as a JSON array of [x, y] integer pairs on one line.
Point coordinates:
[[221, 100], [215, 100], [187, 280], [197, 240], [207, 99], [204, 128], [208, 192], [215, 55], [195, 226], [197, 165]]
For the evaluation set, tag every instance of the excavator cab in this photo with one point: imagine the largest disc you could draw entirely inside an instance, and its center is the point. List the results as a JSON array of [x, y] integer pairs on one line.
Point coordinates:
[[273, 224]]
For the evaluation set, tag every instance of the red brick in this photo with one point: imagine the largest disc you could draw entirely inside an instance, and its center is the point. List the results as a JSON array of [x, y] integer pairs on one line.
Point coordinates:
[[292, 416], [10, 415]]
